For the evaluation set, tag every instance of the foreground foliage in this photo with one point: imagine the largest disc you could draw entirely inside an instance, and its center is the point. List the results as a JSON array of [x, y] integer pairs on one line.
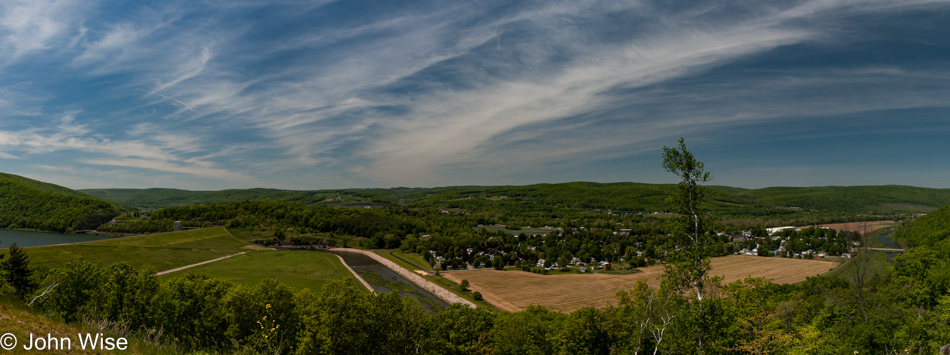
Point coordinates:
[[907, 309]]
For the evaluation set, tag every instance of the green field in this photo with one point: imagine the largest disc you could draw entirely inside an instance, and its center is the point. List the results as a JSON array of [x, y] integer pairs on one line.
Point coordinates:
[[295, 268], [163, 251], [412, 257]]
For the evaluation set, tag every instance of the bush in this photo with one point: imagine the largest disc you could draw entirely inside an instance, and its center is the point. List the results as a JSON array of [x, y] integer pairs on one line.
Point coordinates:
[[477, 295], [464, 285]]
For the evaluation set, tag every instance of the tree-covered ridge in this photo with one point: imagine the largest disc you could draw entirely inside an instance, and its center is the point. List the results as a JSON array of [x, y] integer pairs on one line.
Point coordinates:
[[43, 186], [624, 197], [853, 199], [160, 197], [930, 230], [24, 207], [253, 213]]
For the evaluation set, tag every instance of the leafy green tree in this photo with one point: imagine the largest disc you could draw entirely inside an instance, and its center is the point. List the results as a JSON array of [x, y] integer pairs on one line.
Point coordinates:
[[691, 261], [532, 331], [462, 330], [464, 285], [584, 332], [76, 283], [17, 272]]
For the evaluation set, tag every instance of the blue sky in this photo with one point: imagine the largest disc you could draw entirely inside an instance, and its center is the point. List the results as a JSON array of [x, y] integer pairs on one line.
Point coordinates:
[[335, 94]]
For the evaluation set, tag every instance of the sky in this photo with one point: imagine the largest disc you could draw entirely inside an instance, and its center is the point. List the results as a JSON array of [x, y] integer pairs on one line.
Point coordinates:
[[210, 95]]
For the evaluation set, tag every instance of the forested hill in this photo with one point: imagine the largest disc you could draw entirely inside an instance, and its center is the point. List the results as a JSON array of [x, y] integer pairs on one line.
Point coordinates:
[[30, 204], [159, 198], [932, 230], [43, 186], [626, 197]]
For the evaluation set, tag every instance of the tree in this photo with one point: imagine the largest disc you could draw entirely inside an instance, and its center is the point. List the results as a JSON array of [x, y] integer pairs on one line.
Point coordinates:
[[17, 272], [691, 262], [464, 285]]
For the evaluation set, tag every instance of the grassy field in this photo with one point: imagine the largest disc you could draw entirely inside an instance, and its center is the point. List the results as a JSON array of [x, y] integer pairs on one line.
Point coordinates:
[[163, 251], [512, 290], [294, 268]]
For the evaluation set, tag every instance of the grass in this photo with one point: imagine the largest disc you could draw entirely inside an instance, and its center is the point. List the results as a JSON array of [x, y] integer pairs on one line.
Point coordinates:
[[295, 268], [246, 234], [454, 288], [18, 320], [876, 266], [415, 258], [163, 251]]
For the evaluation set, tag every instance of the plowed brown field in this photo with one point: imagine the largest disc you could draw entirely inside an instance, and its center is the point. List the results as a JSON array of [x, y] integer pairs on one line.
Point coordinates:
[[516, 290]]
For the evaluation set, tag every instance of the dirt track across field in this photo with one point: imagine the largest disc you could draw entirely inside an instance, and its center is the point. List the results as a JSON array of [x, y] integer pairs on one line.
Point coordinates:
[[516, 290]]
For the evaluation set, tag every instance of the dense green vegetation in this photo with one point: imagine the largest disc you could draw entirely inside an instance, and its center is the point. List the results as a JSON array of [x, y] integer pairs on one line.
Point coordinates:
[[159, 198], [930, 230], [619, 197], [906, 308], [29, 204]]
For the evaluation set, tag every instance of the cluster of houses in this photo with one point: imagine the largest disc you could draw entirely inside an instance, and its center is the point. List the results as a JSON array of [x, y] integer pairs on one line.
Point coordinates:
[[781, 250]]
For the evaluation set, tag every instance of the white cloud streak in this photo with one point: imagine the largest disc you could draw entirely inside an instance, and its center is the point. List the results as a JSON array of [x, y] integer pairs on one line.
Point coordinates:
[[415, 99]]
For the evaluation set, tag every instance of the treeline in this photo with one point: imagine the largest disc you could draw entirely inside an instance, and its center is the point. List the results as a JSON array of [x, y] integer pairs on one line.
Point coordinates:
[[629, 197], [341, 221], [904, 311], [23, 207]]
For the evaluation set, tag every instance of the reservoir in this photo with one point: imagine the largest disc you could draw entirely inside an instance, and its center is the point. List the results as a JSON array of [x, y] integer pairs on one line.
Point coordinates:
[[35, 239]]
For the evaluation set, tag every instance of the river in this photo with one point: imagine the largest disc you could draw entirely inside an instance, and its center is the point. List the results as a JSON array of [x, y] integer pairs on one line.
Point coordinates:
[[35, 239], [888, 243]]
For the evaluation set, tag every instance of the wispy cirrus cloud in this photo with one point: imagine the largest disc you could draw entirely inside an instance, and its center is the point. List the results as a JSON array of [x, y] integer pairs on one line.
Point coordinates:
[[420, 93]]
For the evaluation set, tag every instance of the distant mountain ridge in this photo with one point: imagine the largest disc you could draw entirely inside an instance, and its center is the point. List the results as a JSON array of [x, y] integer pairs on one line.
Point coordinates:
[[626, 196], [31, 204]]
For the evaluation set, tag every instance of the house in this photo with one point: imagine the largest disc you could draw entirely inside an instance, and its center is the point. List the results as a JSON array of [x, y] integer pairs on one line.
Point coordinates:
[[582, 269], [540, 262]]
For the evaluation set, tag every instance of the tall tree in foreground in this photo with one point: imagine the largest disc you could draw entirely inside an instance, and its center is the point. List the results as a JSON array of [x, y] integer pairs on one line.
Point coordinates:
[[17, 272], [689, 269]]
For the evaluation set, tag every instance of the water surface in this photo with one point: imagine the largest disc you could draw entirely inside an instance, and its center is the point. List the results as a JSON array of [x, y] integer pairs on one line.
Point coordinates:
[[35, 239]]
